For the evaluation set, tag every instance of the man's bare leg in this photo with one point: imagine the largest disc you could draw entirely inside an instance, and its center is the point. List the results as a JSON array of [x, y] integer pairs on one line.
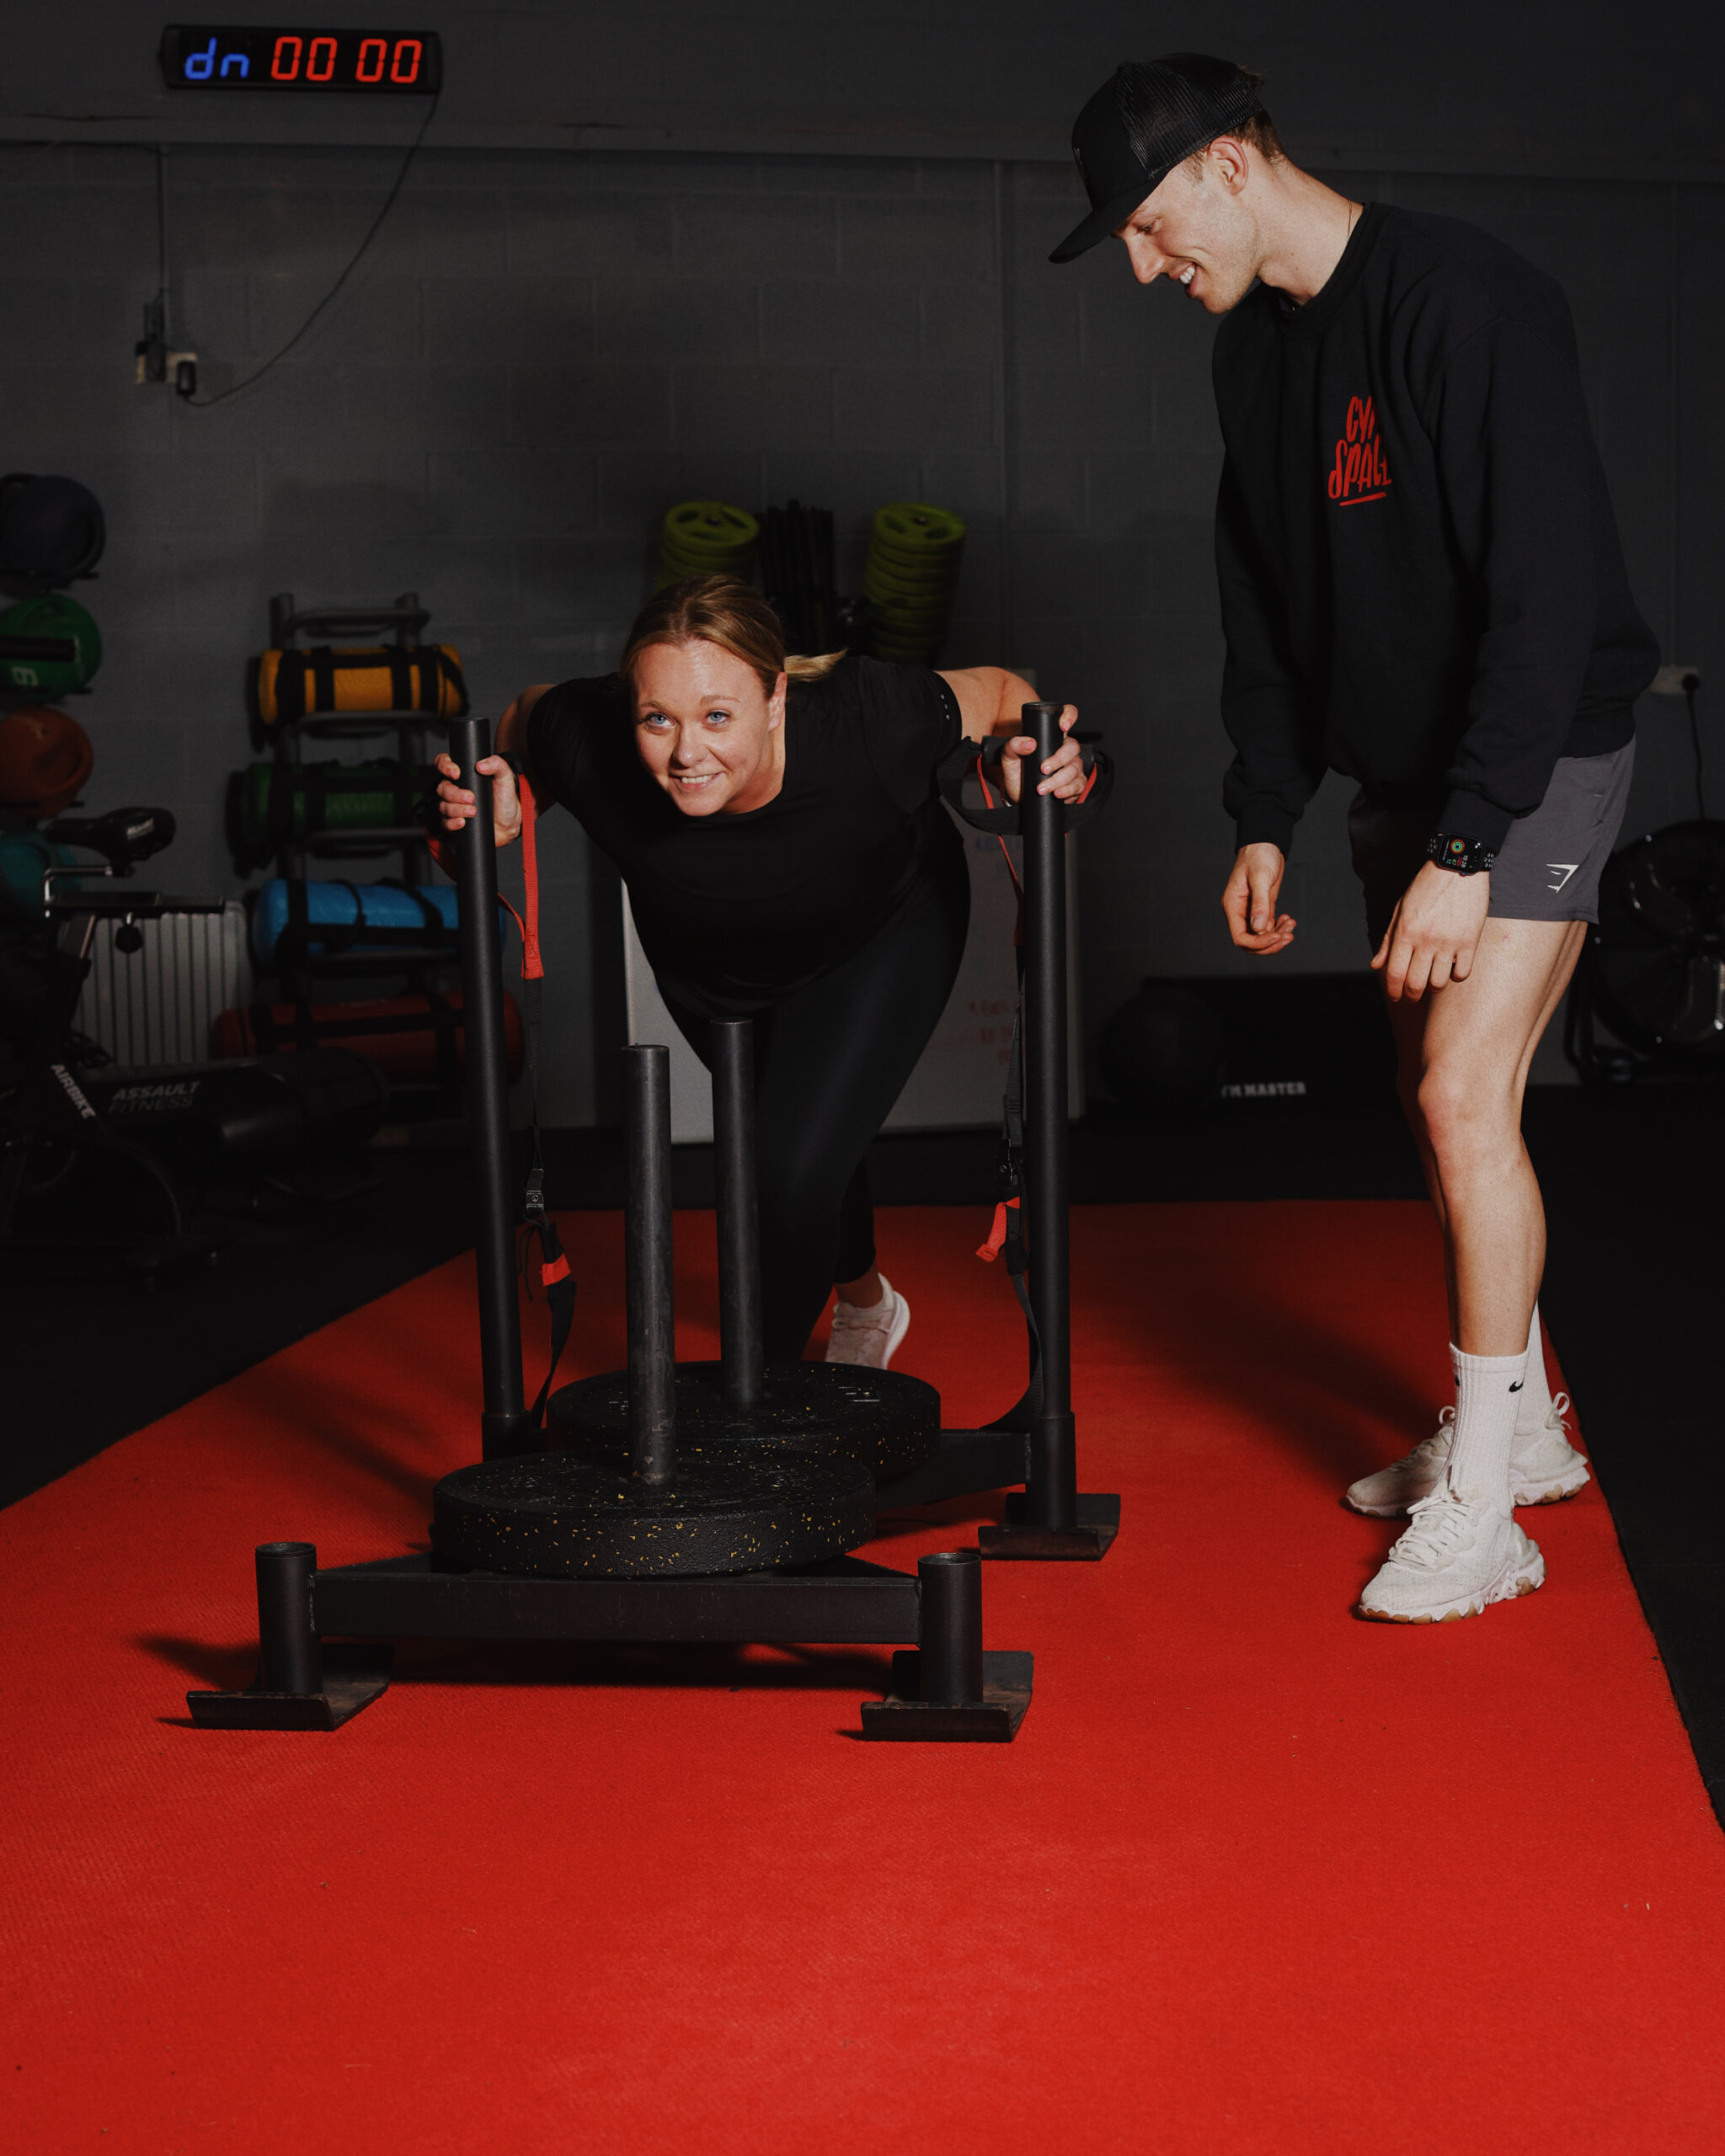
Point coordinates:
[[1463, 1053], [1464, 1049], [1544, 1467]]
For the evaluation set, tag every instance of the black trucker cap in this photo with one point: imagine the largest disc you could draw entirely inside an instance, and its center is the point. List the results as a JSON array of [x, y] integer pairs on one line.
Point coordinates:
[[1140, 125]]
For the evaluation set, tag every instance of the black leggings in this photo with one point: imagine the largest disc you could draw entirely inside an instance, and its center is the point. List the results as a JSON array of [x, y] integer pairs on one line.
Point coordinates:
[[829, 1064]]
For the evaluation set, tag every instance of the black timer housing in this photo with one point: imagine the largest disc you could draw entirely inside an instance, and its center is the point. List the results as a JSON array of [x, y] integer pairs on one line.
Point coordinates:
[[376, 63]]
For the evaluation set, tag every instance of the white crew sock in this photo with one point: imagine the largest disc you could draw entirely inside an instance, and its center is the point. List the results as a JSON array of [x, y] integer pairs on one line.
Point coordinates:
[[1487, 1389], [1533, 1403]]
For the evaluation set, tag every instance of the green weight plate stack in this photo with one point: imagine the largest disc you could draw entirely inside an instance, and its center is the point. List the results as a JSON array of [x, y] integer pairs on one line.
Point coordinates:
[[912, 579], [52, 617], [706, 539]]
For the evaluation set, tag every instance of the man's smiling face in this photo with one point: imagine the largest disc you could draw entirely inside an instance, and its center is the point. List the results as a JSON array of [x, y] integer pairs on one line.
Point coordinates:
[[1197, 231]]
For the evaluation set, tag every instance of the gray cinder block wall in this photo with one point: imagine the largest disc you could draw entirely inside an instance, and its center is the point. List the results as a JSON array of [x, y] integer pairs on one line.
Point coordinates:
[[543, 350]]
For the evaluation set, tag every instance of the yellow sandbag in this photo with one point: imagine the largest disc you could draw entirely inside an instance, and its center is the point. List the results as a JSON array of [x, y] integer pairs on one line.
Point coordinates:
[[322, 682]]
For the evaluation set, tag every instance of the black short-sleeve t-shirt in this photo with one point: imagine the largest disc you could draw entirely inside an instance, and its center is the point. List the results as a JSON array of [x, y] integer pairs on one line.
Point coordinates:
[[737, 911]]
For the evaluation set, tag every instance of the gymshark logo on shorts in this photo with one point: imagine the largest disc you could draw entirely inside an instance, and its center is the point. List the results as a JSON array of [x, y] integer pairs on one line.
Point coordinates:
[[1517, 1386], [1562, 870]]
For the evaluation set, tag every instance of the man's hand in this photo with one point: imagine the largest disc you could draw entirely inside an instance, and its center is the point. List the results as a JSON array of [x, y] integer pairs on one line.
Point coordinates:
[[1063, 773], [1249, 901], [455, 803], [1433, 933]]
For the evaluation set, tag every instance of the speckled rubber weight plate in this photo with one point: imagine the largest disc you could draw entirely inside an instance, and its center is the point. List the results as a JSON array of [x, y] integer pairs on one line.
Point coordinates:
[[582, 1515], [888, 1422]]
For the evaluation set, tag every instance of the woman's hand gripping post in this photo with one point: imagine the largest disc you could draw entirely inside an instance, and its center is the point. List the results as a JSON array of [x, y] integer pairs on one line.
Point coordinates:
[[1062, 773], [455, 803], [456, 806], [990, 704]]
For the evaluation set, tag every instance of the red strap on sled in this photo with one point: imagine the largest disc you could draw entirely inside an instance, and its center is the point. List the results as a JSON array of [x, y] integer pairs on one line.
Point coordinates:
[[555, 1278], [1006, 855], [990, 1250], [532, 965]]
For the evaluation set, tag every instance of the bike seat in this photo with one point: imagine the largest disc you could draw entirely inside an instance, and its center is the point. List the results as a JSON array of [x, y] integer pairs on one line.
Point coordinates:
[[123, 837]]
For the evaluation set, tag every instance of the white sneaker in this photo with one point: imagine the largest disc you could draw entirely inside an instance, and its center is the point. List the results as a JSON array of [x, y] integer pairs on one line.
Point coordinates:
[[869, 1338], [1543, 1469], [1458, 1554]]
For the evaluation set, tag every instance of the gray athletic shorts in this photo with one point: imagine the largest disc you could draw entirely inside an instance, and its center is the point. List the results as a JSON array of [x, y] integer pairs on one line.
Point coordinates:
[[1550, 867]]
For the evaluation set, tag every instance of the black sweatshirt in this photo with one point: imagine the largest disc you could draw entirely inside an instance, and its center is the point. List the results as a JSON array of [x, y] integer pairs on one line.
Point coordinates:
[[1421, 581]]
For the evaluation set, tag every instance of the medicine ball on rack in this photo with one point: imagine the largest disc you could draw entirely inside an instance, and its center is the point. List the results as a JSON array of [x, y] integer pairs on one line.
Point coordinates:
[[25, 856], [48, 642], [52, 530], [45, 761]]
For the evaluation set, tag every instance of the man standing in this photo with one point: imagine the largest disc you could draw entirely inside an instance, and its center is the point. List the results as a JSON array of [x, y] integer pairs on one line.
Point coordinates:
[[1422, 587]]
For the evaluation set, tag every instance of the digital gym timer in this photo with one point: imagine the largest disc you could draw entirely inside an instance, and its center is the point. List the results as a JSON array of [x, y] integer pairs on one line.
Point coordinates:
[[388, 63]]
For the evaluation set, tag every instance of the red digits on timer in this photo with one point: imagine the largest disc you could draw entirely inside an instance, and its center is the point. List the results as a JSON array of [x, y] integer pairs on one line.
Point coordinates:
[[404, 62]]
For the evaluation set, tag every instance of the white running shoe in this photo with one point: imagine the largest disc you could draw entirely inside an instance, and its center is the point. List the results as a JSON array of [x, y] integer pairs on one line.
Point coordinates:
[[1457, 1555], [1543, 1469], [869, 1338]]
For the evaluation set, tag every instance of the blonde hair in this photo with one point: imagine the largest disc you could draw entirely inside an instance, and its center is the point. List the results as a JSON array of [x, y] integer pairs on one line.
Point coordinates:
[[724, 611]]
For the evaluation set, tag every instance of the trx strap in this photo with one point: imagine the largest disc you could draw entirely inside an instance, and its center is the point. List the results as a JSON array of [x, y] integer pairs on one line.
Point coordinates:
[[1011, 1213], [1002, 816], [1008, 1233], [555, 1277]]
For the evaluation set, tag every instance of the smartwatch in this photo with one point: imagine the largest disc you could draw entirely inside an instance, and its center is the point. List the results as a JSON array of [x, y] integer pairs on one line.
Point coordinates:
[[1461, 857]]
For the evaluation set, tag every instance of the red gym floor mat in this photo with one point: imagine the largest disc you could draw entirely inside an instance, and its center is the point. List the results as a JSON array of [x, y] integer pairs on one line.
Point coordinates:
[[1256, 1877]]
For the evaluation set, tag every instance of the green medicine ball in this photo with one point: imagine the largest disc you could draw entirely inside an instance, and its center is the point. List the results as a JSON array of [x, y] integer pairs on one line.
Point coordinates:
[[52, 617]]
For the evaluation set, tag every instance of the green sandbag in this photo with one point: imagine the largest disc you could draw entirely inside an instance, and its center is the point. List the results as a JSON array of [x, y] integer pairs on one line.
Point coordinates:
[[330, 797]]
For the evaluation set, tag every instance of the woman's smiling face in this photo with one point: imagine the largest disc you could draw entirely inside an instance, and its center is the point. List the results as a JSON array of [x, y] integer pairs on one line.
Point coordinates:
[[705, 727]]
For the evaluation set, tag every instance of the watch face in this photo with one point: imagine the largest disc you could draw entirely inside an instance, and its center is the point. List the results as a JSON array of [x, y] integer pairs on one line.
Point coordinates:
[[1457, 851]]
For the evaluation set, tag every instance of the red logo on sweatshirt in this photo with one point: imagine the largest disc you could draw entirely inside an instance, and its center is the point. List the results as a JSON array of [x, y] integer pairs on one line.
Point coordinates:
[[1361, 472]]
